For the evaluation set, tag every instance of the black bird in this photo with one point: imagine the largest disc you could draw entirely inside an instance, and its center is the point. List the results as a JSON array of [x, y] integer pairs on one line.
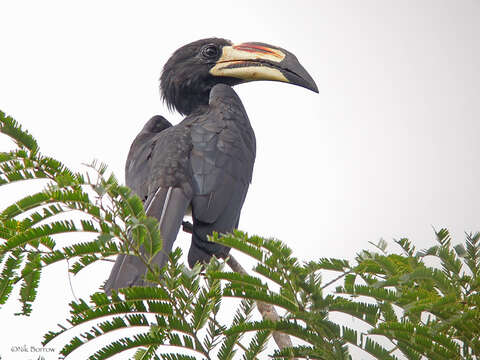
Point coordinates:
[[205, 163]]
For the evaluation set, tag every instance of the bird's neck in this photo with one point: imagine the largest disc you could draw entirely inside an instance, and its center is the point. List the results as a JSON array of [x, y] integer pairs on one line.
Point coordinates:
[[185, 93], [189, 101]]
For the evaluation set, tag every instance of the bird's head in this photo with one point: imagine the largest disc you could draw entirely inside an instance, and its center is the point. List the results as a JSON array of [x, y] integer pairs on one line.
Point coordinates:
[[194, 69]]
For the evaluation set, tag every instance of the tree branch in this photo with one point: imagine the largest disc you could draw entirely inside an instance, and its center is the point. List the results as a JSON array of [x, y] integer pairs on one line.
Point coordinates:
[[267, 311]]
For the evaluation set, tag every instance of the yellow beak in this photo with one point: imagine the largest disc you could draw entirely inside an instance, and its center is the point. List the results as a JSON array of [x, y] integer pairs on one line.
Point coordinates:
[[257, 61]]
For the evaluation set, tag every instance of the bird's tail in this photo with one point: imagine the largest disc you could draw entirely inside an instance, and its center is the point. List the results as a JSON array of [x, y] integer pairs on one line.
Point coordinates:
[[168, 205]]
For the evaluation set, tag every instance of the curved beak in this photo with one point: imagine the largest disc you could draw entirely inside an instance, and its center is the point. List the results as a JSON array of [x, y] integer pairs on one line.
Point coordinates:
[[257, 61]]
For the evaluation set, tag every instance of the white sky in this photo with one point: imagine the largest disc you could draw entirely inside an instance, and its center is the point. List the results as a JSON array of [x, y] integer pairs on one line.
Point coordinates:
[[388, 149]]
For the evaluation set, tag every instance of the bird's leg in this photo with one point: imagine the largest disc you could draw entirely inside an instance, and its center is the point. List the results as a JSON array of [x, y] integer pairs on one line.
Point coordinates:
[[187, 226]]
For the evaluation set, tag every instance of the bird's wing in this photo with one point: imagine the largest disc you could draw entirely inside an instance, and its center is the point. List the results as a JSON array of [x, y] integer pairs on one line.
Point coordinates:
[[222, 157], [137, 167], [150, 172]]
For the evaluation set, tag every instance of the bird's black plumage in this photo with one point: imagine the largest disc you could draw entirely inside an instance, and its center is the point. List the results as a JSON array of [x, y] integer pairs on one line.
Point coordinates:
[[204, 163], [184, 88]]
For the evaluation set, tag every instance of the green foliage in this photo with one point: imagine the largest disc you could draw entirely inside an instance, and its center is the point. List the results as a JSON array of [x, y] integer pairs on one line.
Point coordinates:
[[28, 226], [424, 311], [410, 310]]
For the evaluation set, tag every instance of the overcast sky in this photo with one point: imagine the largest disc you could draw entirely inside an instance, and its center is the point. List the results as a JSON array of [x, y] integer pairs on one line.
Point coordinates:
[[387, 149]]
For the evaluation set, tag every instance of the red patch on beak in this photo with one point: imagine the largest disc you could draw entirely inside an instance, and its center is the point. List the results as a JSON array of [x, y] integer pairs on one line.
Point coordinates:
[[254, 48]]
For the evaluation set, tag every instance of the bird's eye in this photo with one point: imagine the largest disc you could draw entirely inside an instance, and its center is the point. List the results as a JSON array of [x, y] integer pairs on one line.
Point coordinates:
[[210, 51]]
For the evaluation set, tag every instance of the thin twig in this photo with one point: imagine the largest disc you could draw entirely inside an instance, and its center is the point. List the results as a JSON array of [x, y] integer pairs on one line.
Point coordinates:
[[336, 279], [70, 280]]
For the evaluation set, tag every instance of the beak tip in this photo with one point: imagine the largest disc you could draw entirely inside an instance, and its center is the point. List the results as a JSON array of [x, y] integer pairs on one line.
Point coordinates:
[[308, 84]]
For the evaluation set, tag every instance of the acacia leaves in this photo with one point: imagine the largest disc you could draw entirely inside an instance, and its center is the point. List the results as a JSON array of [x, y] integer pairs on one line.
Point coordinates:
[[70, 202], [424, 311]]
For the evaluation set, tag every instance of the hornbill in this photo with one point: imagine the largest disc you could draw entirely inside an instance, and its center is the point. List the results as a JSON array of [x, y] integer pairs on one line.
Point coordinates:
[[205, 163]]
